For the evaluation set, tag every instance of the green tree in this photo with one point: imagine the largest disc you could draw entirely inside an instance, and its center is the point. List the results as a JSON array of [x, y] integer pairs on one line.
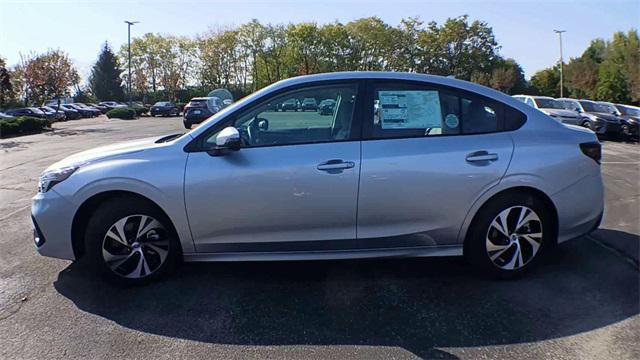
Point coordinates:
[[105, 80], [458, 48], [6, 87], [612, 84], [546, 82], [508, 77]]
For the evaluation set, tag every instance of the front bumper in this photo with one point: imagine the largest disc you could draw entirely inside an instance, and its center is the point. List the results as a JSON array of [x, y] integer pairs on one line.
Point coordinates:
[[607, 128], [631, 129], [52, 217]]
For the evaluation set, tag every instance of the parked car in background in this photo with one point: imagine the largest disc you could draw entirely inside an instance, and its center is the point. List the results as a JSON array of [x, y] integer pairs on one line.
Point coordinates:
[[111, 104], [85, 113], [71, 112], [551, 107], [326, 107], [309, 104], [94, 111], [631, 117], [103, 109], [53, 114], [199, 109], [226, 102], [290, 104], [164, 108], [4, 116], [594, 116], [27, 111], [461, 171]]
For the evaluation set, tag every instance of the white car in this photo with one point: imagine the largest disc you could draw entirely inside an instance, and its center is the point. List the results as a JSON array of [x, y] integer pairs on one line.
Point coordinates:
[[551, 107]]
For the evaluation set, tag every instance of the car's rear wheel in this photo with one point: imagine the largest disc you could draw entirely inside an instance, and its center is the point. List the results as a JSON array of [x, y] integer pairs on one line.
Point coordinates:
[[509, 235], [130, 241]]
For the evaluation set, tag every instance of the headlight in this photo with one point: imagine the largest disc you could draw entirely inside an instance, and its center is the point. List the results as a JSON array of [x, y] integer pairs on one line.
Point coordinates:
[[53, 177]]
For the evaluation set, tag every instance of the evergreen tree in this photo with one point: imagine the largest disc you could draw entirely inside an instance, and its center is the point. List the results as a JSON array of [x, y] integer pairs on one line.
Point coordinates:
[[105, 80]]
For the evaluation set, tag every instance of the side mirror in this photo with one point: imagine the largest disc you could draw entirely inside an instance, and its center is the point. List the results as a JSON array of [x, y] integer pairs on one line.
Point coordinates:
[[227, 139]]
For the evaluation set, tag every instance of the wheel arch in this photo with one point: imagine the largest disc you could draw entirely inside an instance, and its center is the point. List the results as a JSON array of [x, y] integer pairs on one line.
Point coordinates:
[[539, 194], [89, 206]]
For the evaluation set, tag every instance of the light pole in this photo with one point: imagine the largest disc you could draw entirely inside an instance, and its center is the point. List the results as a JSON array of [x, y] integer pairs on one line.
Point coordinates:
[[129, 23], [559, 32]]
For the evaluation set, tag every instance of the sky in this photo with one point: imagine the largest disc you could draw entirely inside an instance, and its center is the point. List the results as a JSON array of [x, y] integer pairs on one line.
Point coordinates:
[[524, 29]]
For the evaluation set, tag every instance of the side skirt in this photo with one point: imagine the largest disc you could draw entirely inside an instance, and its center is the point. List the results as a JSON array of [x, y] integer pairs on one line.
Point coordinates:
[[425, 251]]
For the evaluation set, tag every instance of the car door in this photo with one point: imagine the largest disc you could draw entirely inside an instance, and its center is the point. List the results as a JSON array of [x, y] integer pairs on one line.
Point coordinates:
[[428, 153], [293, 184]]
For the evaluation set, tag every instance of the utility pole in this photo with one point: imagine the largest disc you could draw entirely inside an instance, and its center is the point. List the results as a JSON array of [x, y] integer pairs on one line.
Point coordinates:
[[129, 23], [559, 32]]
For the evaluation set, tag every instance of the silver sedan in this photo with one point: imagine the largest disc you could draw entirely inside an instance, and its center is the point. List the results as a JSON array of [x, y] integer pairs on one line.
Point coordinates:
[[406, 165]]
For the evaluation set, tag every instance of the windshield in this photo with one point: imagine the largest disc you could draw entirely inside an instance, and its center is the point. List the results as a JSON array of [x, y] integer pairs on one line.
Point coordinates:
[[36, 110], [161, 103], [547, 103], [629, 111], [46, 108], [593, 107], [610, 108]]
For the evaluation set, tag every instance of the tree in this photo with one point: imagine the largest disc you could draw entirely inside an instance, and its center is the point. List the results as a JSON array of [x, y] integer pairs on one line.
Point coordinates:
[[582, 77], [47, 76], [508, 77], [105, 81], [6, 87], [612, 84], [546, 82], [458, 48]]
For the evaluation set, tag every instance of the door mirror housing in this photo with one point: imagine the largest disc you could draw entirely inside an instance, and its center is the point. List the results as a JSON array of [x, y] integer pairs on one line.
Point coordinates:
[[227, 139]]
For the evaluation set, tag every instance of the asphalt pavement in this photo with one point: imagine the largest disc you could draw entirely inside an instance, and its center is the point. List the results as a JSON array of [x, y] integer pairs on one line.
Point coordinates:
[[582, 301]]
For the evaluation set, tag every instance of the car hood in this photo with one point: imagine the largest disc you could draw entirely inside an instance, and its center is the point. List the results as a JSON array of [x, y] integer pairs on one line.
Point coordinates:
[[559, 112], [104, 152], [605, 116]]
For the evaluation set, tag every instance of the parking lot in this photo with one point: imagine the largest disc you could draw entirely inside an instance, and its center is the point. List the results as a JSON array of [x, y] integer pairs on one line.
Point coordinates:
[[582, 302]]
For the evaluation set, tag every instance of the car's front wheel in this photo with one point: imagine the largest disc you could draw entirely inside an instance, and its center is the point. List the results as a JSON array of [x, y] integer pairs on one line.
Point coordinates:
[[130, 241], [509, 235]]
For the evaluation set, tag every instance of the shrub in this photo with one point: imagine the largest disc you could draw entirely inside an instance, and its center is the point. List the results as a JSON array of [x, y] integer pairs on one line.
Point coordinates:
[[140, 110], [22, 125], [122, 113]]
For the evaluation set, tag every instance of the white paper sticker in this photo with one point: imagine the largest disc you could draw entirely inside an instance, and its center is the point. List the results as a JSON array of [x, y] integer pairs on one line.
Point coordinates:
[[408, 109]]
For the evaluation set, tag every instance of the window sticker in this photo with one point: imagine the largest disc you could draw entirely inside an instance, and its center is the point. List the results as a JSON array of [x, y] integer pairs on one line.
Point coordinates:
[[409, 109], [451, 120]]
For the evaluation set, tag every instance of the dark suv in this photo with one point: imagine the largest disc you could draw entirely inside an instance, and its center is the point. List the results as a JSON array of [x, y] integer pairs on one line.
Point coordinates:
[[164, 108], [309, 104], [631, 117], [200, 109], [595, 116]]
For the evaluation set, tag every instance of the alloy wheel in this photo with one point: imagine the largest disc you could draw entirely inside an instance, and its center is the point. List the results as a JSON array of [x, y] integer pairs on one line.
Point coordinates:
[[514, 237], [135, 246]]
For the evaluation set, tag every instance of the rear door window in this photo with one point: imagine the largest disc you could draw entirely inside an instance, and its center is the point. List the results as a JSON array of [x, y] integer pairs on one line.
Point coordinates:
[[413, 110]]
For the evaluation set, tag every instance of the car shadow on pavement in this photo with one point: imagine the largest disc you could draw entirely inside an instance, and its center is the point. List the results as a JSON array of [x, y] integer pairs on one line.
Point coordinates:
[[421, 305]]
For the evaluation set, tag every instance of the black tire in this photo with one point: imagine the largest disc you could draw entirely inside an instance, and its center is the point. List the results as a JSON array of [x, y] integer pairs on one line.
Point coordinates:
[[187, 126], [481, 230], [102, 221]]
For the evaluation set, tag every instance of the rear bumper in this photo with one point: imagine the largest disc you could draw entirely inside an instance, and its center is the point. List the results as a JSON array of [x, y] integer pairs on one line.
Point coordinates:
[[196, 118], [580, 207], [52, 218]]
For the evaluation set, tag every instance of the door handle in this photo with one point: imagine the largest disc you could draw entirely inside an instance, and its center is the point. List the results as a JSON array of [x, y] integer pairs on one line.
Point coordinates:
[[481, 156], [336, 164]]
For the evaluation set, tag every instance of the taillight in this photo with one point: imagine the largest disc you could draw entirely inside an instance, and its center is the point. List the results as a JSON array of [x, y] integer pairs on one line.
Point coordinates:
[[592, 150]]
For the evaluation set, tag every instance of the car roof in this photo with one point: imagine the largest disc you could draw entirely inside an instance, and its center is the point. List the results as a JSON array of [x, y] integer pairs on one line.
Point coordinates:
[[401, 76]]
